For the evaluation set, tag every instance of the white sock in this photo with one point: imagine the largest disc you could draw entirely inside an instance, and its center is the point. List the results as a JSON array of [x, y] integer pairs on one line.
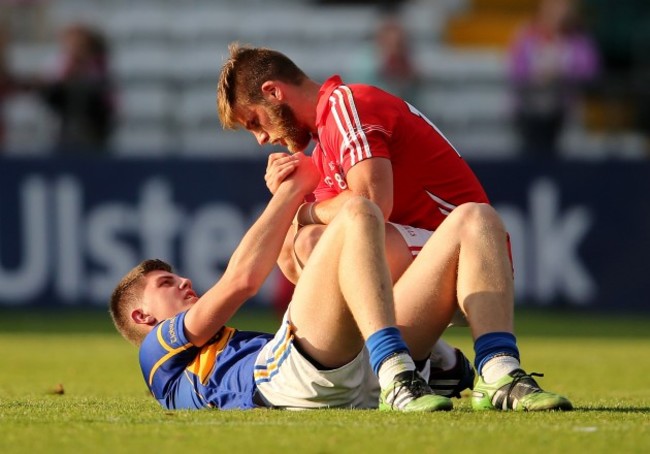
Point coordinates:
[[498, 367], [443, 356], [394, 365]]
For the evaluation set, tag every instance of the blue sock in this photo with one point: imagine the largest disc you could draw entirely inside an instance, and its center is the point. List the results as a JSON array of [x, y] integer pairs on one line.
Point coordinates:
[[384, 343], [490, 345]]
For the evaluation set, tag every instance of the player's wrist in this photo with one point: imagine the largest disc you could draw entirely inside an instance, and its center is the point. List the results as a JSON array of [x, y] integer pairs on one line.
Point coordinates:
[[287, 190]]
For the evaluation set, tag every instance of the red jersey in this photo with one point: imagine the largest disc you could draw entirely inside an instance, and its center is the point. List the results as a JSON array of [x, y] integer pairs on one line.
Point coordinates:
[[357, 122]]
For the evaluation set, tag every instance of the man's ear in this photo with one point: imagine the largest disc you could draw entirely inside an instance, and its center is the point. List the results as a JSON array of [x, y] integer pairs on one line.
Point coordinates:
[[142, 318], [272, 91]]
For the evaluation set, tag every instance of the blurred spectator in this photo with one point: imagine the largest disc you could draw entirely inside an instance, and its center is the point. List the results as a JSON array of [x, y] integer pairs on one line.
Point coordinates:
[[389, 64], [25, 20], [551, 60], [622, 30], [79, 91]]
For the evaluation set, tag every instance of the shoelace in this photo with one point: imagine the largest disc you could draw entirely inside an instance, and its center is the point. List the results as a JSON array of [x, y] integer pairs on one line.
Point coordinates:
[[414, 386], [521, 376]]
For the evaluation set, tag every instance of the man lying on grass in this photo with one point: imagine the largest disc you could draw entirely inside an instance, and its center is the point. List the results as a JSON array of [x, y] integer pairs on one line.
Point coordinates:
[[339, 344]]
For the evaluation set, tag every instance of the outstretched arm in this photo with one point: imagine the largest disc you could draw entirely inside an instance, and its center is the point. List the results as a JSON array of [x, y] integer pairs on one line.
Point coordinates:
[[254, 258]]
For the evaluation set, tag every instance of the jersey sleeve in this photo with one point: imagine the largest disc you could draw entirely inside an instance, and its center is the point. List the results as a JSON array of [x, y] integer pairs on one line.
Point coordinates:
[[164, 356], [357, 129]]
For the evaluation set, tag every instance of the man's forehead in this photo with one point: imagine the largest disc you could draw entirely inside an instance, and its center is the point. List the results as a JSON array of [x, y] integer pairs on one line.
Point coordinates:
[[156, 275]]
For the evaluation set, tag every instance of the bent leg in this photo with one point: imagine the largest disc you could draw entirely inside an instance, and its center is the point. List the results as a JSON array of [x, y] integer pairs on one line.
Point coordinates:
[[464, 264], [399, 257], [340, 299]]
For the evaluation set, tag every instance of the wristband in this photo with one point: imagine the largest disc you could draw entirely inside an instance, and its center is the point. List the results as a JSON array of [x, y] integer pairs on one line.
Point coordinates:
[[310, 213], [296, 218]]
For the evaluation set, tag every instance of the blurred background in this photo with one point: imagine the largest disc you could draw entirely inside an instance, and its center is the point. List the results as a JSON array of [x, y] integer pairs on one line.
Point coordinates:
[[111, 150]]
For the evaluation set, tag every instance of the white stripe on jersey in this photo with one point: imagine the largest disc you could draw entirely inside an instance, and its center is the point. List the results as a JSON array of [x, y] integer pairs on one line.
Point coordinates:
[[346, 139], [370, 128], [357, 122], [350, 132], [442, 202], [346, 131]]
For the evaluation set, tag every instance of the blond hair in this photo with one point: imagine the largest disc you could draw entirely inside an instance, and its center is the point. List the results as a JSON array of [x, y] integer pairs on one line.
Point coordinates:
[[128, 295], [242, 76]]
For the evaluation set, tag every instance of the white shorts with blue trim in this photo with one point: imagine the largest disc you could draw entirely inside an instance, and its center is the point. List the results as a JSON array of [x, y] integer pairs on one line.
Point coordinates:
[[286, 379]]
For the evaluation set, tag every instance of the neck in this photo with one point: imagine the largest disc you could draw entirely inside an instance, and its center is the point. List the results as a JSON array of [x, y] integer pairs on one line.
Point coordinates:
[[305, 103]]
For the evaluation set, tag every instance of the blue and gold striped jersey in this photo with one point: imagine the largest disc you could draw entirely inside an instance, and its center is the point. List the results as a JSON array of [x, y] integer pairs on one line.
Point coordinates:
[[219, 374]]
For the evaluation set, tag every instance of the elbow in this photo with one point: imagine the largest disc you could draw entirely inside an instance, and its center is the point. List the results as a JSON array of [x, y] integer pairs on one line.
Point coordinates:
[[383, 199], [384, 203]]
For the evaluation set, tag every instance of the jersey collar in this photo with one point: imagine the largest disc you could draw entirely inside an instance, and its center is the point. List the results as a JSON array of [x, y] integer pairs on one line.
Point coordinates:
[[322, 109]]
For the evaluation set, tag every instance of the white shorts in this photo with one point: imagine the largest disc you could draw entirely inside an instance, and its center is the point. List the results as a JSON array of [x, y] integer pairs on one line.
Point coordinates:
[[415, 239], [286, 379]]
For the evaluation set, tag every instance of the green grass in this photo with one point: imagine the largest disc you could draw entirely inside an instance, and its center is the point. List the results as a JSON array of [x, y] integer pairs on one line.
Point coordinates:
[[601, 362]]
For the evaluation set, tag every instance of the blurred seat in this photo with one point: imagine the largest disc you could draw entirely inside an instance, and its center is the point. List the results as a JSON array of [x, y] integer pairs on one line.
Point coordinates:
[[29, 127], [166, 56], [484, 143], [466, 65], [142, 102], [139, 62], [144, 140], [199, 65], [467, 105], [200, 24], [138, 24], [213, 141], [27, 59], [197, 106]]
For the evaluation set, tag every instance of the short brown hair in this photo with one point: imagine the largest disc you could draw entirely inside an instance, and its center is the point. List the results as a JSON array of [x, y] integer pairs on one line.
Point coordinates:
[[128, 294], [243, 74]]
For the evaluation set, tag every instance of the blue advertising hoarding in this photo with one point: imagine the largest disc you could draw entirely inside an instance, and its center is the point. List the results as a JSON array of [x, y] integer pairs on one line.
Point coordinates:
[[70, 228]]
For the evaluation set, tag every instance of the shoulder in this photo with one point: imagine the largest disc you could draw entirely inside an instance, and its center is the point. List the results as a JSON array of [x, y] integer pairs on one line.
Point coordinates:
[[359, 101], [168, 336]]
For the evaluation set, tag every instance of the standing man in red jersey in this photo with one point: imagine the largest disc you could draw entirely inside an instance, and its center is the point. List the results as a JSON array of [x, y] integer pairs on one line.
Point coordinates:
[[369, 143]]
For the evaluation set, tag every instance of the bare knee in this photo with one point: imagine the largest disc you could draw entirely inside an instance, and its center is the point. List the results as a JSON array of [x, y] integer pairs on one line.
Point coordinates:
[[359, 207], [478, 220]]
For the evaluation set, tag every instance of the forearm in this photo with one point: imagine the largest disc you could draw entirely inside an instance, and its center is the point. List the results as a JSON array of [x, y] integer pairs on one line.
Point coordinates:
[[256, 255], [249, 266]]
